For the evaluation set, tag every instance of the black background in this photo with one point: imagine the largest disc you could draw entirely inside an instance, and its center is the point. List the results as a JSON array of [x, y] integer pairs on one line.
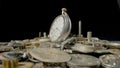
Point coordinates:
[[24, 19]]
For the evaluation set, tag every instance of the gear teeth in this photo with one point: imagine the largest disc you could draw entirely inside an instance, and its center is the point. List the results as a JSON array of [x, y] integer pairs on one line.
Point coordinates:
[[25, 65]]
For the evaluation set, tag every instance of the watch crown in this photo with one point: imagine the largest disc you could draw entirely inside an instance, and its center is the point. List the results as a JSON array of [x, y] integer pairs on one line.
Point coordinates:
[[64, 10]]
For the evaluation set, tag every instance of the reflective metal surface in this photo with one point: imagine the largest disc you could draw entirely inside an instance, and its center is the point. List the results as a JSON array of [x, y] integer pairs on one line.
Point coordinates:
[[81, 60], [110, 61], [50, 55]]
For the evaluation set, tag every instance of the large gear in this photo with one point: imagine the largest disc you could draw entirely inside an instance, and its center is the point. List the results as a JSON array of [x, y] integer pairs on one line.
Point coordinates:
[[50, 55]]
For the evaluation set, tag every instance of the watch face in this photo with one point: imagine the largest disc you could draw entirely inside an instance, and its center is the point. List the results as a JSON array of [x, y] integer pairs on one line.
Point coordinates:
[[59, 28], [56, 28]]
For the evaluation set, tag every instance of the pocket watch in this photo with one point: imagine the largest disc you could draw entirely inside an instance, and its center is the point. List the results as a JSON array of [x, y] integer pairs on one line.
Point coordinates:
[[60, 28]]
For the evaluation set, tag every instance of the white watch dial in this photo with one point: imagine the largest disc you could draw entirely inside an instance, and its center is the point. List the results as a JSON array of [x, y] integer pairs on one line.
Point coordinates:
[[56, 28]]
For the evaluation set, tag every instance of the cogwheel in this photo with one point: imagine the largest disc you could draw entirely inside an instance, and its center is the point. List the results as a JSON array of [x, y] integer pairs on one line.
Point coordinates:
[[25, 65]]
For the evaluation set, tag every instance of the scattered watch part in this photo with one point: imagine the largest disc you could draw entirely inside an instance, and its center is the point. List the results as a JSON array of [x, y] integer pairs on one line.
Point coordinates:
[[31, 58], [5, 48], [68, 50], [89, 36], [14, 54], [114, 45], [79, 29], [6, 63], [83, 61], [45, 38], [16, 43], [102, 51], [89, 46], [3, 43], [49, 45], [45, 45], [67, 41], [109, 60], [26, 42], [60, 28], [28, 48], [9, 63], [39, 65], [83, 48], [25, 65], [114, 51], [35, 43], [50, 55], [44, 35]]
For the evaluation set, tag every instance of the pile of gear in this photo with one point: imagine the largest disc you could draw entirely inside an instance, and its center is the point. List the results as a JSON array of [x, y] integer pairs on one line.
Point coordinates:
[[60, 49]]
